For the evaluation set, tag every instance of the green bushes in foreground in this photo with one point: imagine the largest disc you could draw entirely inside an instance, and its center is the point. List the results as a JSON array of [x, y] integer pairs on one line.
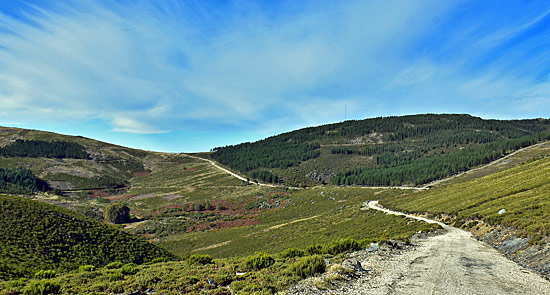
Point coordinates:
[[335, 247], [259, 260], [114, 265], [45, 274], [42, 287], [129, 269], [199, 259], [86, 268], [292, 252], [308, 266]]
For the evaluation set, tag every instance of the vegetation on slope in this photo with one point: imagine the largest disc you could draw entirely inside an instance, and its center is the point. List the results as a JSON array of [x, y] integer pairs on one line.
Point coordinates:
[[397, 170], [69, 162], [36, 235], [46, 149], [522, 191], [20, 181], [322, 223], [314, 216], [378, 149], [261, 273]]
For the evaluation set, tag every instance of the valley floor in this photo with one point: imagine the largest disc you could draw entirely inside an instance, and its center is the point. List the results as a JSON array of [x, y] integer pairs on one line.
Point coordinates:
[[451, 263]]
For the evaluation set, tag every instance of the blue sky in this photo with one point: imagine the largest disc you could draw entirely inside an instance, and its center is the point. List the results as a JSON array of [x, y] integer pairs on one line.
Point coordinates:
[[191, 75]]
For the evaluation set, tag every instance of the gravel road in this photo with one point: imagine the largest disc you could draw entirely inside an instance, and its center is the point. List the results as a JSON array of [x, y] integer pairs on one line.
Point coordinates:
[[450, 263]]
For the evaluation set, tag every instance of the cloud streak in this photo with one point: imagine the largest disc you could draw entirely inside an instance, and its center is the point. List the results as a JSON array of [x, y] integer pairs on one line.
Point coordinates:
[[151, 67]]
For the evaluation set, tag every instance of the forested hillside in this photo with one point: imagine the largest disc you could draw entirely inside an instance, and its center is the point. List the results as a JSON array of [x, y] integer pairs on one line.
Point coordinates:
[[20, 181], [46, 149], [36, 236], [65, 162], [382, 151]]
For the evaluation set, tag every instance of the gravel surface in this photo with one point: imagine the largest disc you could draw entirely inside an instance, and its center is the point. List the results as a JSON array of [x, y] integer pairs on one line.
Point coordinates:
[[450, 263]]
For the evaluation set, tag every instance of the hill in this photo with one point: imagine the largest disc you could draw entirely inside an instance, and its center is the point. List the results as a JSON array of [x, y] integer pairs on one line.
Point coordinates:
[[69, 163], [509, 209], [407, 150], [38, 236]]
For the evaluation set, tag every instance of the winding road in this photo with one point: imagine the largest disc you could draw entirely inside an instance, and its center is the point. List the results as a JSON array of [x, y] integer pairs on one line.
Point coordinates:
[[451, 263]]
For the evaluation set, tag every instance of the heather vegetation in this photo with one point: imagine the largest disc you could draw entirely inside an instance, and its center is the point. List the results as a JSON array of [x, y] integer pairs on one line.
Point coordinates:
[[234, 237], [36, 236], [521, 191]]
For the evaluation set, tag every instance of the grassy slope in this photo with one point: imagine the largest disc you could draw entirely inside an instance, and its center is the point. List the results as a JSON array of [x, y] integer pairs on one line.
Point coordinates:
[[522, 191], [35, 235], [336, 215], [317, 215]]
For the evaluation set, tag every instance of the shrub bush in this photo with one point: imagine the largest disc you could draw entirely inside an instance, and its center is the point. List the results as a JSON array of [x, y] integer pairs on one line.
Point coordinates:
[[292, 252], [114, 265], [21, 282], [308, 266], [129, 269], [341, 246], [314, 249], [117, 213], [199, 259], [45, 274], [42, 287], [259, 260], [159, 260], [88, 267], [117, 276]]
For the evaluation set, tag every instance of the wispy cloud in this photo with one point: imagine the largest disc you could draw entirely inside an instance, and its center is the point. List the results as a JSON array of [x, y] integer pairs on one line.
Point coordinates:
[[148, 67]]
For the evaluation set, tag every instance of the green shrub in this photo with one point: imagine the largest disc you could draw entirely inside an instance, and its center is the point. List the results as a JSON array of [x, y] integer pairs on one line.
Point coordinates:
[[159, 260], [238, 285], [88, 267], [259, 260], [224, 279], [341, 246], [117, 213], [129, 269], [199, 259], [45, 274], [314, 249], [292, 252], [114, 265], [42, 287], [22, 282], [117, 276], [308, 266]]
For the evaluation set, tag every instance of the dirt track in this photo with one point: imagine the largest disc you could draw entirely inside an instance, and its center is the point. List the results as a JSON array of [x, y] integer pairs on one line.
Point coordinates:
[[450, 263]]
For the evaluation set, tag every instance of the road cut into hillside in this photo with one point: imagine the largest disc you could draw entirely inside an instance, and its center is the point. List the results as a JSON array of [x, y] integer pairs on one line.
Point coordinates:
[[449, 263]]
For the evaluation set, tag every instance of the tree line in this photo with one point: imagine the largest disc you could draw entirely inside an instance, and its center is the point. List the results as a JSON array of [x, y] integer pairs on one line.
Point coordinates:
[[20, 181], [46, 149], [400, 140], [426, 169]]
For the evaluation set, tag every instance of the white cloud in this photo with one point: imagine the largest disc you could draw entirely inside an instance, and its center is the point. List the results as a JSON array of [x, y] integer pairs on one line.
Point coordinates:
[[128, 125], [150, 67]]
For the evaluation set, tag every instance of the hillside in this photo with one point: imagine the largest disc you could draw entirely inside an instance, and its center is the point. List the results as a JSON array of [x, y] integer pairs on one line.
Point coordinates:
[[70, 163], [408, 150], [187, 206], [510, 207], [38, 236]]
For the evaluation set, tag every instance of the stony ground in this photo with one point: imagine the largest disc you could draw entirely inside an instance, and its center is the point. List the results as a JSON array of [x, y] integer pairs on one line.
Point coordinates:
[[449, 263]]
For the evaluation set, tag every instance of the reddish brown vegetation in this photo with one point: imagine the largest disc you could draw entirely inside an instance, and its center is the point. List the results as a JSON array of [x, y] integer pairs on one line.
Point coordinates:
[[141, 173]]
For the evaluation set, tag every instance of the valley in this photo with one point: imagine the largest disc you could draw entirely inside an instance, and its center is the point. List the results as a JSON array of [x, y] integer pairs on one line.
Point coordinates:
[[190, 206]]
